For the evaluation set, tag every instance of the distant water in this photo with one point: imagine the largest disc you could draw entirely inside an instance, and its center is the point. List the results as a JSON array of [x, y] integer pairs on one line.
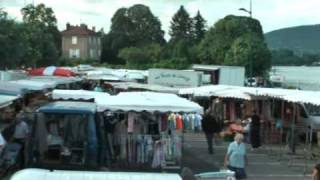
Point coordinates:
[[303, 77]]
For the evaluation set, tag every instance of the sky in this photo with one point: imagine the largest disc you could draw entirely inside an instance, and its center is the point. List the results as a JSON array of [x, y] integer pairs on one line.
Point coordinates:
[[272, 14]]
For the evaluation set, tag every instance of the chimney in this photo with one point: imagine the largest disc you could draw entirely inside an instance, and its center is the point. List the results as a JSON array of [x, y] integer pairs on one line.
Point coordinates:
[[93, 28], [68, 26]]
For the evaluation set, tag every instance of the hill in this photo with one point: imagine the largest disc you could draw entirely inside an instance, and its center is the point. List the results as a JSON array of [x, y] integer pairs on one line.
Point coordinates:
[[299, 39]]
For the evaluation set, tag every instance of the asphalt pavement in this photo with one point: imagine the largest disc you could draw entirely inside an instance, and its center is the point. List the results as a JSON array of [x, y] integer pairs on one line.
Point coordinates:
[[269, 162]]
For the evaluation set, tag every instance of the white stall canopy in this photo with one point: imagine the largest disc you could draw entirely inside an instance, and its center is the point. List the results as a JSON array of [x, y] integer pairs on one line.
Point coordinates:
[[6, 100], [35, 85], [41, 174], [290, 95], [147, 101], [12, 87], [150, 87], [105, 77], [77, 94], [57, 80]]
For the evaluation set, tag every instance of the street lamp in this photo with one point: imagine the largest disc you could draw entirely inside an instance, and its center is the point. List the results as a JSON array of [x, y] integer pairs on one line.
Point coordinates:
[[247, 11], [250, 80]]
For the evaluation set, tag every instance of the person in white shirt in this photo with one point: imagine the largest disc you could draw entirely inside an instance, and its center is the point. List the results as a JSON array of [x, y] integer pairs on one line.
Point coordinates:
[[2, 143], [21, 130], [20, 135]]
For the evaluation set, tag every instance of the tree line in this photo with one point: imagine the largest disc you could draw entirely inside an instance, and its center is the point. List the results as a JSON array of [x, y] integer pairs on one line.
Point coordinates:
[[286, 57], [136, 40], [36, 41]]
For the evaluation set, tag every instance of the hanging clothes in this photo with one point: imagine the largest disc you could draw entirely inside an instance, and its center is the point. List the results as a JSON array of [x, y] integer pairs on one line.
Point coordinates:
[[164, 122], [232, 111], [185, 120], [179, 123], [131, 119], [197, 121], [158, 157], [172, 121]]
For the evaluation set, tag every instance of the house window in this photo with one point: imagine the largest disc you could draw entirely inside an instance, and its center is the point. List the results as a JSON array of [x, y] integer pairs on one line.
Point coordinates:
[[92, 53], [90, 40], [74, 53], [74, 40], [99, 41]]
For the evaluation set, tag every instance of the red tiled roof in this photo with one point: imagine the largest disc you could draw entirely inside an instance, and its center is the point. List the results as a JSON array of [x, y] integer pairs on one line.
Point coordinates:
[[78, 30]]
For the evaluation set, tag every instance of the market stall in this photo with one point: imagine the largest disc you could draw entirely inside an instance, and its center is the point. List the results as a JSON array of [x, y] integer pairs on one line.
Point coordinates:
[[145, 129]]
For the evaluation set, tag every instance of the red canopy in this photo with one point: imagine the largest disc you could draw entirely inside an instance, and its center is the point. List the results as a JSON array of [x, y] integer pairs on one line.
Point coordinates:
[[51, 71]]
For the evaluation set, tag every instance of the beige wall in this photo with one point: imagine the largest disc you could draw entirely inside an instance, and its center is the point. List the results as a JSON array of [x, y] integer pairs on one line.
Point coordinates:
[[83, 45]]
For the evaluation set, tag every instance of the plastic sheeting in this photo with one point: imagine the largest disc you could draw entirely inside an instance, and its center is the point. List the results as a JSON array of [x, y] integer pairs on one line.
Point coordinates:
[[76, 94], [147, 101], [40, 174]]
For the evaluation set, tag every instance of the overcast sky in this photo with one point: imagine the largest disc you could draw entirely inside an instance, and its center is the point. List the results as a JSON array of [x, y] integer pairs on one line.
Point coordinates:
[[273, 14]]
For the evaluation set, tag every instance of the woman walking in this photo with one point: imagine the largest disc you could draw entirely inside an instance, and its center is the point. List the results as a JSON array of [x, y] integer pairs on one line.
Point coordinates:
[[255, 131], [236, 157]]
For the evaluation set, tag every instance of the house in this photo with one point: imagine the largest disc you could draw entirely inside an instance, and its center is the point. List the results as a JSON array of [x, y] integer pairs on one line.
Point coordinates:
[[80, 42]]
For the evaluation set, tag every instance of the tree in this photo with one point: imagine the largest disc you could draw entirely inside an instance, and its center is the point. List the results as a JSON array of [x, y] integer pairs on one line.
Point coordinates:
[[236, 40], [199, 27], [251, 52], [141, 58], [42, 35], [131, 27], [181, 26], [39, 14], [13, 46]]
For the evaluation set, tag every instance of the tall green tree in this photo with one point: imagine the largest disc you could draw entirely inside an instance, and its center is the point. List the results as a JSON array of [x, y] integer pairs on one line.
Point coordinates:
[[181, 26], [199, 27], [42, 35], [251, 52], [12, 45], [236, 40], [131, 27], [141, 58]]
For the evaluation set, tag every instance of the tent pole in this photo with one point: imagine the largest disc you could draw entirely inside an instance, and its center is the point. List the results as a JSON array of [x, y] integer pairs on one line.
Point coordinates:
[[292, 134], [281, 132]]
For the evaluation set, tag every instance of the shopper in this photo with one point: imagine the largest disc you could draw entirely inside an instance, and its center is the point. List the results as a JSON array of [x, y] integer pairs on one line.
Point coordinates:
[[208, 128], [255, 130], [236, 158]]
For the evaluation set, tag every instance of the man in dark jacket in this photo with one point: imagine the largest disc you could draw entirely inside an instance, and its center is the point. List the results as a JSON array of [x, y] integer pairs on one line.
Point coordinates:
[[208, 126]]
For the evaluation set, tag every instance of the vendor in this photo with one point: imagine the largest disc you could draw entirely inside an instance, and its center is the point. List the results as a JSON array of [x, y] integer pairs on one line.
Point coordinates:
[[53, 137]]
